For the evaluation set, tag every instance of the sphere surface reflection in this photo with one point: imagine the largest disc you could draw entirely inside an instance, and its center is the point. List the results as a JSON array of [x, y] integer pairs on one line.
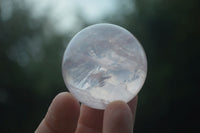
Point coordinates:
[[104, 63]]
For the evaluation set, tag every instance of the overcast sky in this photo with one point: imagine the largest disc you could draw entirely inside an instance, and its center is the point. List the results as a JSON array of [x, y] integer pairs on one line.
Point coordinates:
[[63, 13]]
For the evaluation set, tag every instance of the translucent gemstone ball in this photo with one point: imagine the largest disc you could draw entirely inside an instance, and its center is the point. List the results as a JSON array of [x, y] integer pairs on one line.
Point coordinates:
[[104, 63]]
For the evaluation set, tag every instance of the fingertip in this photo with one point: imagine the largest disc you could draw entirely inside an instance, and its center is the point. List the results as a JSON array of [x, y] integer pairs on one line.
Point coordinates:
[[64, 97], [62, 105], [118, 118], [90, 120], [62, 114]]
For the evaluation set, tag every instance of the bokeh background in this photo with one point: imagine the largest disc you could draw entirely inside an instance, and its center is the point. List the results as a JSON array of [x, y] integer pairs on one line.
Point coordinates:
[[35, 33]]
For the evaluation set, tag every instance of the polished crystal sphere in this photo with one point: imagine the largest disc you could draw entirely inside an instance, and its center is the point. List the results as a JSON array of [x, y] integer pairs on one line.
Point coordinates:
[[104, 63]]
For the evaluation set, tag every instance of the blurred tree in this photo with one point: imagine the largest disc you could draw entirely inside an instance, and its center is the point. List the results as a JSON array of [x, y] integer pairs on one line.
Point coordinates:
[[30, 67], [170, 34]]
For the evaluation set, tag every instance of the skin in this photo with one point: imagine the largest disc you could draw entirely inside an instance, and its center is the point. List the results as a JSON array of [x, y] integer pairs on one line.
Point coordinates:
[[65, 115]]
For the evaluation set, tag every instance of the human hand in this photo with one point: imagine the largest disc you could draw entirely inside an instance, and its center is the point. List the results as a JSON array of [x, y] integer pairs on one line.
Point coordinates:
[[65, 115]]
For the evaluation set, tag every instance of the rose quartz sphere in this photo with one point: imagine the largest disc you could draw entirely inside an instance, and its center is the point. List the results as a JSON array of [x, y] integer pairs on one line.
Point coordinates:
[[104, 63]]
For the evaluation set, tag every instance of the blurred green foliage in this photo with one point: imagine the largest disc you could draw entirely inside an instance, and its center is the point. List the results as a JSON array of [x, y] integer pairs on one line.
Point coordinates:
[[31, 55]]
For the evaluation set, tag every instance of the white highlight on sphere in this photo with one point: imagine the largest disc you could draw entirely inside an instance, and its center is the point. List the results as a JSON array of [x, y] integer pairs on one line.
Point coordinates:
[[104, 63]]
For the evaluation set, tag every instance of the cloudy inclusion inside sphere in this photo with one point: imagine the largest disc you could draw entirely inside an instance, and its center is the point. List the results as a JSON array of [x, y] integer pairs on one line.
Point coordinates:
[[104, 63]]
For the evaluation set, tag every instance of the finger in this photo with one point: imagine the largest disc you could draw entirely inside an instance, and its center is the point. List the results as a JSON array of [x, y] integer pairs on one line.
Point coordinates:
[[62, 115], [117, 118], [133, 105], [90, 121]]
